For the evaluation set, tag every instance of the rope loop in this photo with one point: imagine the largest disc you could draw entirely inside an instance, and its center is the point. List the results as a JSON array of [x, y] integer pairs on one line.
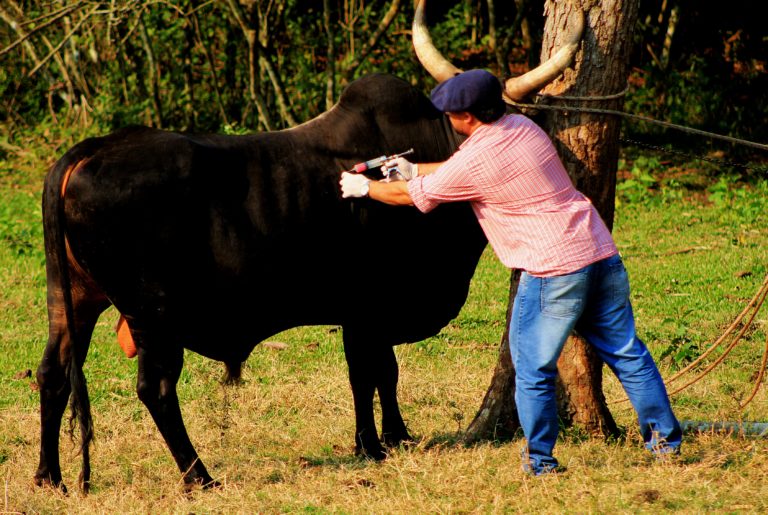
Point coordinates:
[[594, 98]]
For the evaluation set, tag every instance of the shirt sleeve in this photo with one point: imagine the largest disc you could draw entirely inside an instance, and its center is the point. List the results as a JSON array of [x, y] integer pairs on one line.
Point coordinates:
[[452, 182]]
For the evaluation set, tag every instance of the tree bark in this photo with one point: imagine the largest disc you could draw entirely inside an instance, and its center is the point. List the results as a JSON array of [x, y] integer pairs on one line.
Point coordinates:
[[588, 146], [497, 417]]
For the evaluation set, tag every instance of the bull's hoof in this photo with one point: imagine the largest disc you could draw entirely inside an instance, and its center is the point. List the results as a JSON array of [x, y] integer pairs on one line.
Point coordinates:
[[192, 483], [212, 484], [392, 440], [45, 481], [371, 453]]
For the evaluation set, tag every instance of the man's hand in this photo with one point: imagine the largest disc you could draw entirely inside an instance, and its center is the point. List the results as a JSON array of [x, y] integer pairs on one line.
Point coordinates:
[[354, 185], [404, 167]]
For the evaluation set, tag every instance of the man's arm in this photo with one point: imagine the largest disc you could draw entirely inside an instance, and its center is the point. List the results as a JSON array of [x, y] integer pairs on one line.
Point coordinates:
[[392, 193], [428, 168], [396, 193], [410, 170]]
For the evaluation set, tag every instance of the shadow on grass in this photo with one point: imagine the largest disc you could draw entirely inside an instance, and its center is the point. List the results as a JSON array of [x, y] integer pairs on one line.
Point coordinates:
[[348, 461], [458, 439]]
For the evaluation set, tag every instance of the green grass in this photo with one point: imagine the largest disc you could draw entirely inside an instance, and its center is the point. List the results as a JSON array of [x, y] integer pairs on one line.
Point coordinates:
[[282, 442]]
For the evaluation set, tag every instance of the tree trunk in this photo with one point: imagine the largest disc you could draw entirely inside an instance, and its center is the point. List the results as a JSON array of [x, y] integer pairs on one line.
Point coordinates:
[[250, 31], [497, 417], [588, 146], [154, 80], [493, 40], [674, 16], [330, 67]]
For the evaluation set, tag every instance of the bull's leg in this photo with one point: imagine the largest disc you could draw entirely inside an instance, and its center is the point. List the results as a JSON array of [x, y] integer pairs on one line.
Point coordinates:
[[361, 362], [159, 371], [54, 383], [393, 430], [233, 373], [54, 393]]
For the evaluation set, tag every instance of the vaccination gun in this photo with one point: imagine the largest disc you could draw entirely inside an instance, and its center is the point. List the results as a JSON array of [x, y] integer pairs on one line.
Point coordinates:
[[378, 162]]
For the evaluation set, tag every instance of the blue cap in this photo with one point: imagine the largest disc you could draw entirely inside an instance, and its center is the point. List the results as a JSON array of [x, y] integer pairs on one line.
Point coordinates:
[[467, 91]]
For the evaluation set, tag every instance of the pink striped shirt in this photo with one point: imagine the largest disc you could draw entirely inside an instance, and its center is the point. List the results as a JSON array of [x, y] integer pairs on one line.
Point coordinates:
[[534, 218]]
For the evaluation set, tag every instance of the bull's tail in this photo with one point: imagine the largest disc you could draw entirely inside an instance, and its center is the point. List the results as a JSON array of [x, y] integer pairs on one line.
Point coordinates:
[[80, 405], [72, 356]]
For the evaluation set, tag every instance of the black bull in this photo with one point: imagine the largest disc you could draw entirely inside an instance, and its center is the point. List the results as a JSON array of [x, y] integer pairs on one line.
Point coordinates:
[[213, 243]]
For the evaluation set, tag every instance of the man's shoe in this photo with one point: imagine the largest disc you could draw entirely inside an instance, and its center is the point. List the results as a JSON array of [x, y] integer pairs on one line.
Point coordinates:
[[664, 453], [543, 469]]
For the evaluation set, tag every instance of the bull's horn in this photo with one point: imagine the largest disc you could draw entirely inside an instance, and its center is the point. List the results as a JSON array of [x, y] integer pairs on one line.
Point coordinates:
[[430, 57], [518, 88]]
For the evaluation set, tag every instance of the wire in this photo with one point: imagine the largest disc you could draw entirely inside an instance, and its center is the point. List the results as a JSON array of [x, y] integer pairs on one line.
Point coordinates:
[[637, 117], [724, 162]]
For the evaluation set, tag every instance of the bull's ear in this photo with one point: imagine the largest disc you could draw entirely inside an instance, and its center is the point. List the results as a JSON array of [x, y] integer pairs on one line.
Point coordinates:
[[430, 57], [517, 88]]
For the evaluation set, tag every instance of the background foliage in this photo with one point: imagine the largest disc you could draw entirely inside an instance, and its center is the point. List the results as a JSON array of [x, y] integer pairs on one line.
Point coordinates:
[[266, 64]]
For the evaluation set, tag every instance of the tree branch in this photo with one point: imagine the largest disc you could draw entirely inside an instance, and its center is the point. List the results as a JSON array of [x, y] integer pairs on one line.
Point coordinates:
[[153, 82], [25, 35], [32, 52], [16, 27], [282, 103], [330, 67], [384, 24], [250, 35], [63, 41], [214, 76]]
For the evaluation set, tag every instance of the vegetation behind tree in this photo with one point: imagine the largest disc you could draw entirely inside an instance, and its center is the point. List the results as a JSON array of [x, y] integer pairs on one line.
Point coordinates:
[[238, 65]]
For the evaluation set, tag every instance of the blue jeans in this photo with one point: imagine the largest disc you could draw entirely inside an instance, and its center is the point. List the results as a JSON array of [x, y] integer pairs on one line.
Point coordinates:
[[595, 302]]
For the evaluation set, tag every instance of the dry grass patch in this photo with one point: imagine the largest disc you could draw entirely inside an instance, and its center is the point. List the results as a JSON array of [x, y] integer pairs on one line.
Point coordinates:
[[286, 446]]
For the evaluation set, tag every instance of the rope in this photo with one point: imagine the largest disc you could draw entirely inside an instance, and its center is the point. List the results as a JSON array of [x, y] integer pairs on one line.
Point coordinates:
[[584, 99], [755, 303], [727, 351], [759, 379], [637, 117]]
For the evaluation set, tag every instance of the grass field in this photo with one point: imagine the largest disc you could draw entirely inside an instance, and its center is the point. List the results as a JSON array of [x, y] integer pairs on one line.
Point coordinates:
[[696, 251]]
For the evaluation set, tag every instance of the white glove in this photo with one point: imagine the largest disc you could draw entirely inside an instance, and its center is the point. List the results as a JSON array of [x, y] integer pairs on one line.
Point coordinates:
[[404, 167], [354, 185]]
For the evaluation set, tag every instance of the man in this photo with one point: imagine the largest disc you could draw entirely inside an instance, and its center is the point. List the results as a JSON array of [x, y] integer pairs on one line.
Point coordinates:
[[536, 221]]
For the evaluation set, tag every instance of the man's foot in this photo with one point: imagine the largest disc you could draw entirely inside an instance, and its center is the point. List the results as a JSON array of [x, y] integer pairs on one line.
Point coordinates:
[[542, 467], [546, 470], [664, 453]]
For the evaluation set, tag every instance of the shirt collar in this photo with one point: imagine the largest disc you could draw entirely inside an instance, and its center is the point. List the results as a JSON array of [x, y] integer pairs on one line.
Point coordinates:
[[481, 130]]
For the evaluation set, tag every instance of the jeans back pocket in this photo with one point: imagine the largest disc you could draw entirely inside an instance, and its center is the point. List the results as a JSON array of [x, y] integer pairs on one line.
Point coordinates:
[[564, 296]]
